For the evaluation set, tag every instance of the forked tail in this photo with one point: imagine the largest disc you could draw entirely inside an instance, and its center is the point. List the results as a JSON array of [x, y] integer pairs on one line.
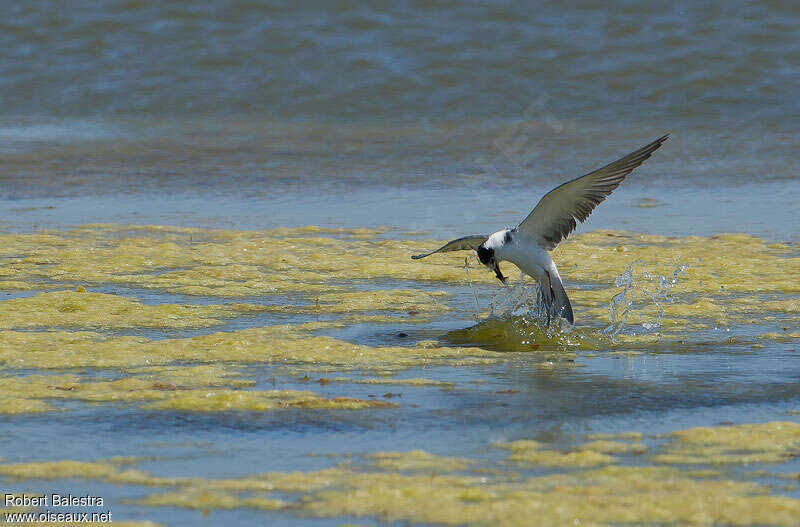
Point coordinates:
[[561, 306], [555, 299]]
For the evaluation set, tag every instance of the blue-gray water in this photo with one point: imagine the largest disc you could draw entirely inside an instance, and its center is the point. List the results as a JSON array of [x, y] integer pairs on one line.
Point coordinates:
[[443, 117]]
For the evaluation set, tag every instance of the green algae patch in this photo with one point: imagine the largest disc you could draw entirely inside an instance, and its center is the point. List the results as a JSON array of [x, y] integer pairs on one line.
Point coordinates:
[[774, 442], [199, 376], [267, 345], [599, 498], [208, 388], [202, 373], [730, 279], [205, 500], [530, 452], [154, 385], [417, 460], [59, 469], [602, 497], [16, 285], [718, 281], [410, 487], [258, 401], [10, 405], [97, 310], [739, 262], [614, 447], [26, 394], [555, 458], [523, 334], [282, 260], [215, 262], [403, 300], [787, 336], [626, 496]]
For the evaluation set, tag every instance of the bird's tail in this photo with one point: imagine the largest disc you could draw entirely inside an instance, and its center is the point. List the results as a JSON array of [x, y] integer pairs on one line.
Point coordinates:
[[561, 306], [556, 301]]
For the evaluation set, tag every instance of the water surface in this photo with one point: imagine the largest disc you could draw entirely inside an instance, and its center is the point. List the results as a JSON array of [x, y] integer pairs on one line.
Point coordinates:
[[431, 121]]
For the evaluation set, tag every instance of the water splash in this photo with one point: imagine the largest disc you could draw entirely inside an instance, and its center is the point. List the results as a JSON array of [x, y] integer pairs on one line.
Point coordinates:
[[522, 313], [476, 315], [517, 321], [656, 288], [519, 299], [622, 303]]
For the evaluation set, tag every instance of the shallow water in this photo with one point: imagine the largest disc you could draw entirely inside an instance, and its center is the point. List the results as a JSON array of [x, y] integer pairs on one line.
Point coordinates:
[[161, 301]]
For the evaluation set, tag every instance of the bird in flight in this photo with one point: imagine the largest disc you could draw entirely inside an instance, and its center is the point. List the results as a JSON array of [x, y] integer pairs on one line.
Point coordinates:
[[551, 220]]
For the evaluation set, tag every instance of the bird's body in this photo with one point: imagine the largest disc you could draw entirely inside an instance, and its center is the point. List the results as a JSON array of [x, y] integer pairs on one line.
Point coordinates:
[[552, 220], [532, 259], [529, 256]]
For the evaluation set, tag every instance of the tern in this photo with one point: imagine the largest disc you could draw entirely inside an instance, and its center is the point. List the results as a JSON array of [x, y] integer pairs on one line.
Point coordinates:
[[555, 216]]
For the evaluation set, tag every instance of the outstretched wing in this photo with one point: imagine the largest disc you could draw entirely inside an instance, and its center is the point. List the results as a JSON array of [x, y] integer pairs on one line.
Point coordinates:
[[461, 244], [554, 217]]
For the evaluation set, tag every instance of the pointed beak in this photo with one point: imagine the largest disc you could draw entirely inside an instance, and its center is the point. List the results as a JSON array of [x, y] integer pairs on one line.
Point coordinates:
[[498, 273]]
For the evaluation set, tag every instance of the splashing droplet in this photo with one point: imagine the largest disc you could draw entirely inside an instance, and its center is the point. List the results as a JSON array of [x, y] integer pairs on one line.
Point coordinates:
[[657, 289]]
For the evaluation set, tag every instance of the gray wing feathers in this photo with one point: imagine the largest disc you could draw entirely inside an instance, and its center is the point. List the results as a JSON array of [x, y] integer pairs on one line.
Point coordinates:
[[461, 244], [554, 217]]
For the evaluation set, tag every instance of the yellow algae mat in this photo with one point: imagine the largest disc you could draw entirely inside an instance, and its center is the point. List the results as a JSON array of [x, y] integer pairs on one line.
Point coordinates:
[[592, 484], [58, 321], [725, 278], [139, 316], [230, 264]]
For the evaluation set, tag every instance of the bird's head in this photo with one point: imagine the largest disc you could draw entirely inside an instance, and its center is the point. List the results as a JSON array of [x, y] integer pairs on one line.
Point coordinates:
[[490, 252]]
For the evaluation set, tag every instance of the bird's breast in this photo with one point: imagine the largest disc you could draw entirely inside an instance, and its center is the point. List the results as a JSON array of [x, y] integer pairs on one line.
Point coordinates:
[[529, 257]]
